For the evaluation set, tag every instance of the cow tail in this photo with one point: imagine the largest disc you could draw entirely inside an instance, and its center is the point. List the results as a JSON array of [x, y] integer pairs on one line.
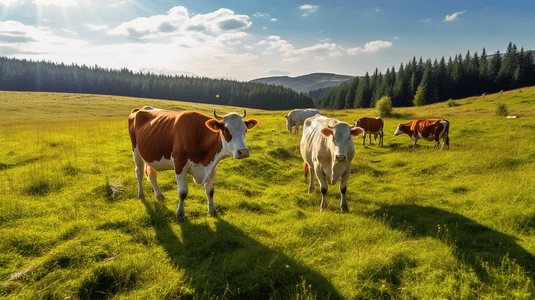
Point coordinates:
[[306, 171]]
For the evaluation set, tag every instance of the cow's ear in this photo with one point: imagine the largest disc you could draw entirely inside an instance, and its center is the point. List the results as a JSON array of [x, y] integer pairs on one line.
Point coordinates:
[[215, 125], [326, 132], [286, 116], [356, 131], [251, 123]]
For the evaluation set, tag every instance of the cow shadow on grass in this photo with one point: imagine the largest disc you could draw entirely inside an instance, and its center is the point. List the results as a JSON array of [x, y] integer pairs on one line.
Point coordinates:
[[223, 262], [473, 243]]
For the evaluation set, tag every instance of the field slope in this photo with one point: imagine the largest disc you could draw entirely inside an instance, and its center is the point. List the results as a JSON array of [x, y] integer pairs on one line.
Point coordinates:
[[423, 224]]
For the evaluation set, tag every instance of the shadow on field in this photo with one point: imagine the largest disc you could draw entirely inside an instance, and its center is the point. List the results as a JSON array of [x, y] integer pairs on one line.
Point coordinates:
[[470, 239], [224, 262]]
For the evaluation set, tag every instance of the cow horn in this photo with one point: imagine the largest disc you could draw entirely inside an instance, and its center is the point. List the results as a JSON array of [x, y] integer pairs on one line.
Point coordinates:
[[244, 113], [217, 116]]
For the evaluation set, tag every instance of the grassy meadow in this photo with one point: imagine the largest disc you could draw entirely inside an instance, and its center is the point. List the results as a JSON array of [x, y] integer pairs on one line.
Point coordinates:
[[422, 224]]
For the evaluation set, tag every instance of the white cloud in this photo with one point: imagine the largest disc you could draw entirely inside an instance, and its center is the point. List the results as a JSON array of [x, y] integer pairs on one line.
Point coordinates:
[[70, 31], [308, 9], [370, 47], [18, 38], [319, 51], [56, 2], [177, 22], [454, 16], [123, 2], [8, 2], [274, 19], [97, 27]]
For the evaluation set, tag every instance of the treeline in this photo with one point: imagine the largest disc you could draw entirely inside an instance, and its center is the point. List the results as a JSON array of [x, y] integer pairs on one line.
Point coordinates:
[[457, 78], [27, 75]]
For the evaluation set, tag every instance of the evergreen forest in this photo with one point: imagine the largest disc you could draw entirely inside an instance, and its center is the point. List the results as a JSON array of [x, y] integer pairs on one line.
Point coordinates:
[[440, 80], [41, 76]]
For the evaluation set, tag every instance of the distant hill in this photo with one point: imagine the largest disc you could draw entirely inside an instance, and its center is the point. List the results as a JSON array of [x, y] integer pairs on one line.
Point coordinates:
[[306, 83]]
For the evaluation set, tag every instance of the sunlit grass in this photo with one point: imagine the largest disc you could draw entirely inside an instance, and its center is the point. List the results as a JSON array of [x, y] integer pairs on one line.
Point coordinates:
[[424, 224]]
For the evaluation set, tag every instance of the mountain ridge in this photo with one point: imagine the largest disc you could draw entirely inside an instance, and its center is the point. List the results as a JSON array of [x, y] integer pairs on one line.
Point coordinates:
[[306, 83]]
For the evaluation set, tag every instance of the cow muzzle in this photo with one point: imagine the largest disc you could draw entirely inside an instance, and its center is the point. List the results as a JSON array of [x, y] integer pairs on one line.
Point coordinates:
[[340, 158], [242, 153]]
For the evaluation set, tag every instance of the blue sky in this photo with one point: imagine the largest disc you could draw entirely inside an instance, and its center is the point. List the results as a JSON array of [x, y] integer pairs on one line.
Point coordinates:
[[244, 40]]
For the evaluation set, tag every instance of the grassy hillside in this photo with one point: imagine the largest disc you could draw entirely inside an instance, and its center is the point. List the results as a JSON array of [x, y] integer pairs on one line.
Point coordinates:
[[450, 224]]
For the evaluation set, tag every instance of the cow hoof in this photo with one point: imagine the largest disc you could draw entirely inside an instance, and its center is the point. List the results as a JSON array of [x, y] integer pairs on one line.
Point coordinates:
[[213, 214], [180, 218], [345, 208], [160, 197], [141, 196]]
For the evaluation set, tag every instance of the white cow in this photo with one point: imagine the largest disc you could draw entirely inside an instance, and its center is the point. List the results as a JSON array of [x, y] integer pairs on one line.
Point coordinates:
[[298, 116], [327, 149]]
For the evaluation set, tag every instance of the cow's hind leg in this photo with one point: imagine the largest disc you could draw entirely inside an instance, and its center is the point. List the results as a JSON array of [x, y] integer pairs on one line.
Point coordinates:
[[139, 173], [152, 177], [209, 190], [182, 185]]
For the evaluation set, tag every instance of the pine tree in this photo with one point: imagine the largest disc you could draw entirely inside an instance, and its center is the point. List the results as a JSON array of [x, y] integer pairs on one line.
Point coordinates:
[[350, 96], [419, 97], [483, 78], [361, 95], [492, 74]]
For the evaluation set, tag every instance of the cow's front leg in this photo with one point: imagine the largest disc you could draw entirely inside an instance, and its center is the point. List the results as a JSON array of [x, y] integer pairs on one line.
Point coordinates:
[[364, 139], [370, 138], [311, 179], [296, 129], [182, 185], [381, 139], [343, 188], [209, 190], [323, 186], [414, 140]]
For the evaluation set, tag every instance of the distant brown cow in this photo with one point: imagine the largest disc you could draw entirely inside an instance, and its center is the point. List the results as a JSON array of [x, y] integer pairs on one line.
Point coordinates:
[[427, 129], [371, 126]]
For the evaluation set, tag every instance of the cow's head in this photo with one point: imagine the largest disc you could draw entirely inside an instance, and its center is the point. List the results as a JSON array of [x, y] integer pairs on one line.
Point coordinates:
[[288, 123], [341, 137], [233, 130], [357, 122], [398, 129]]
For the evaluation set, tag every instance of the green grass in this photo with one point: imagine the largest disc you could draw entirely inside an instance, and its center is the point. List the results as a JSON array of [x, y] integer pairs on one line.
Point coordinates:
[[422, 224]]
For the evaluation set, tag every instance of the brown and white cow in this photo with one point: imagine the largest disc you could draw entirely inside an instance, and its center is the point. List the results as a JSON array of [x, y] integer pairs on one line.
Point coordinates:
[[298, 116], [371, 126], [427, 129], [187, 142], [327, 149]]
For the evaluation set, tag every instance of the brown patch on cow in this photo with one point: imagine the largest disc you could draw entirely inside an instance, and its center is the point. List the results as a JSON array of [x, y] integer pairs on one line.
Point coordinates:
[[159, 134]]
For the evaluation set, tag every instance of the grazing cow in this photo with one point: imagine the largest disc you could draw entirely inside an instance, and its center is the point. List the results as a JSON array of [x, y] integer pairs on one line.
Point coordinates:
[[427, 129], [327, 150], [298, 116], [371, 126], [187, 142]]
